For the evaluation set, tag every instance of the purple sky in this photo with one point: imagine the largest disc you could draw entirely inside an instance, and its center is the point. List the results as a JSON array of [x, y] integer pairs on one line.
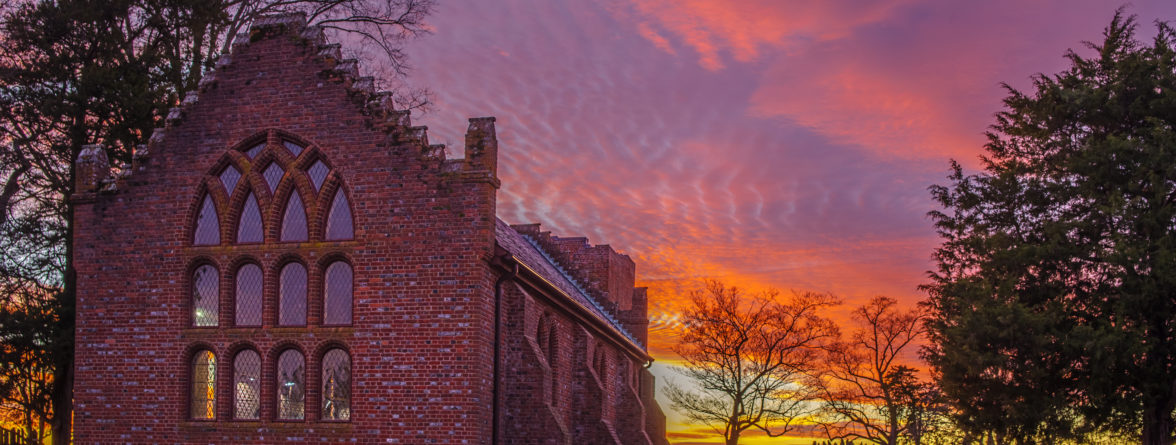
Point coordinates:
[[766, 143]]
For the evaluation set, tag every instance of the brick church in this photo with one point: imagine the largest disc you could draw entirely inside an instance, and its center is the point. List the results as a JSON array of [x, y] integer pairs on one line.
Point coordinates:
[[289, 260]]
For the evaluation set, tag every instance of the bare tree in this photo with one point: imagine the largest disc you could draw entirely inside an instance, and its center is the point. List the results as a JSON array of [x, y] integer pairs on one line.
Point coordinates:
[[745, 356], [869, 393]]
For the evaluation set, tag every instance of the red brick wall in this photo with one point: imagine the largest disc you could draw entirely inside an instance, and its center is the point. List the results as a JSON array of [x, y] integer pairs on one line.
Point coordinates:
[[421, 340]]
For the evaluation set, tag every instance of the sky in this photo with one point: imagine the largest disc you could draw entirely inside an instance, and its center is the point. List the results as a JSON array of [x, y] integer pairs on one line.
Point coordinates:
[[786, 144]]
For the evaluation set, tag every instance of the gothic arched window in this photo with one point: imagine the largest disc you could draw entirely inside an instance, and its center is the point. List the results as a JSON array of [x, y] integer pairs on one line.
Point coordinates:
[[249, 295], [247, 385], [292, 295], [337, 288], [207, 225], [294, 220], [205, 296], [291, 386], [336, 378], [249, 229], [339, 218], [203, 393]]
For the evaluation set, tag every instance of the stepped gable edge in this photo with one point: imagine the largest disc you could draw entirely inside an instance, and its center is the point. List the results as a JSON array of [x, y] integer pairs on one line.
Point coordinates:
[[478, 165]]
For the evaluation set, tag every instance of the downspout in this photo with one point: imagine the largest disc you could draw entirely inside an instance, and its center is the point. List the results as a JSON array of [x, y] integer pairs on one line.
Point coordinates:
[[508, 262]]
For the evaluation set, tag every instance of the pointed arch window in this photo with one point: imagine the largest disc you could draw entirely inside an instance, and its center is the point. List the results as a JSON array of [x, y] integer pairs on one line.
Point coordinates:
[[273, 175], [294, 148], [247, 385], [291, 386], [255, 150], [318, 173], [292, 298], [207, 224], [294, 220], [249, 287], [249, 229], [229, 178], [203, 392], [337, 294], [205, 296], [339, 225], [336, 380]]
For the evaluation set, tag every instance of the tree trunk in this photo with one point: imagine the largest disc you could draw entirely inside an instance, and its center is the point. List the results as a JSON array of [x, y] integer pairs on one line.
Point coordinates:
[[734, 439], [1157, 422]]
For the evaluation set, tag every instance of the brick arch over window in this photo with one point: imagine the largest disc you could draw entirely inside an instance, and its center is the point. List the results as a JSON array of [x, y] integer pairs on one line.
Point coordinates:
[[272, 187]]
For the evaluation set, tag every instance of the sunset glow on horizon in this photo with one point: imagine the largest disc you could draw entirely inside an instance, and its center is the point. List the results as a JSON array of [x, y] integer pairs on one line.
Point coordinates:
[[763, 143]]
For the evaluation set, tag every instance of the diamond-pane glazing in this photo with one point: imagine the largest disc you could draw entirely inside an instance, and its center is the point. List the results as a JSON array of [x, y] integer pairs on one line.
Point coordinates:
[[295, 149], [250, 229], [318, 174], [339, 219], [292, 301], [337, 294], [203, 395], [294, 220], [205, 293], [291, 382], [247, 385], [336, 385], [254, 150], [207, 226], [273, 175], [249, 284], [229, 179]]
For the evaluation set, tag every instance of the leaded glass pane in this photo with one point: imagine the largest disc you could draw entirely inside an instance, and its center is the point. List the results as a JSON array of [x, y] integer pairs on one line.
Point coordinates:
[[337, 294], [294, 221], [336, 385], [339, 218], [273, 175], [292, 303], [291, 380], [205, 296], [204, 386], [229, 179], [207, 226], [254, 150], [247, 385], [250, 228], [318, 174], [295, 149], [249, 281]]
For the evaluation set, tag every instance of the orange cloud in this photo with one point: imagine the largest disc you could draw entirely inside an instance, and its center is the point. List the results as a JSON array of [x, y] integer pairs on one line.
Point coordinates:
[[744, 28]]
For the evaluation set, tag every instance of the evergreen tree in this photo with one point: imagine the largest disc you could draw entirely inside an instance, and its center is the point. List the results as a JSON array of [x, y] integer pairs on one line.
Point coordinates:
[[1054, 301]]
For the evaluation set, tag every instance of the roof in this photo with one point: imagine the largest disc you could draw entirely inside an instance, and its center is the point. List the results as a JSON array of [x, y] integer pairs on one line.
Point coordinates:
[[527, 251]]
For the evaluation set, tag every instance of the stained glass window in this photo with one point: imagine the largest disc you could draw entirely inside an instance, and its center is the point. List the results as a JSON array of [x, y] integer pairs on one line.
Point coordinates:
[[337, 294], [292, 302], [336, 385], [294, 148], [204, 386], [205, 296], [291, 386], [229, 179], [273, 175], [249, 230], [339, 219], [247, 385], [207, 226], [249, 282], [294, 221], [318, 173]]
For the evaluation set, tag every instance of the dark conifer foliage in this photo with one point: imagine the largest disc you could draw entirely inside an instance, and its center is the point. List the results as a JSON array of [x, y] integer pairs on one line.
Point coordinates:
[[1054, 302]]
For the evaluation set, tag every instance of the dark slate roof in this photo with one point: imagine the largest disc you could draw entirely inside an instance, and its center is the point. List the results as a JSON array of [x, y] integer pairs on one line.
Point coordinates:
[[528, 252]]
